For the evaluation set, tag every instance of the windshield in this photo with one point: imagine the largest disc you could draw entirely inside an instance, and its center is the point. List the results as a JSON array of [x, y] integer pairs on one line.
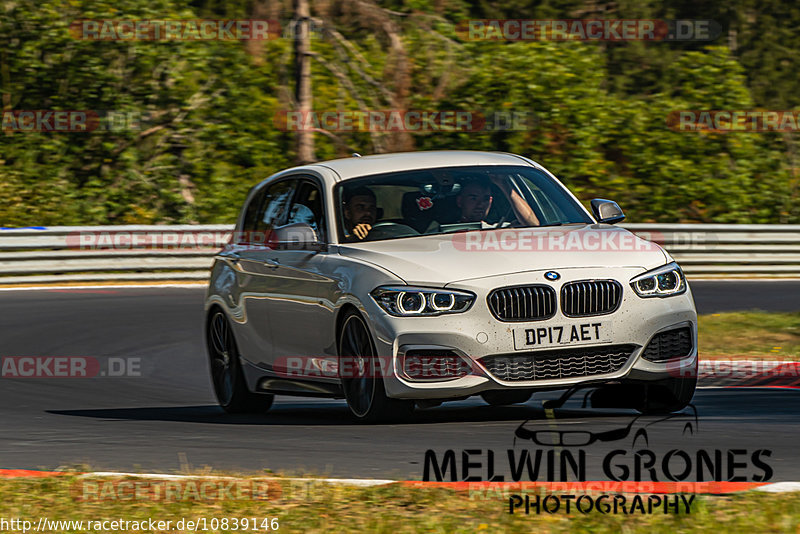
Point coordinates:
[[451, 199]]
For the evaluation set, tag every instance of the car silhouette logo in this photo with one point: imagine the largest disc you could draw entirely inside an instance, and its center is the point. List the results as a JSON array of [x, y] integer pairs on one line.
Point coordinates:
[[553, 437], [552, 275]]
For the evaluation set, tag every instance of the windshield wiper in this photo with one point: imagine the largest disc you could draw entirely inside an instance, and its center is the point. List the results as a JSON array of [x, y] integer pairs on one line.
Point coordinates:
[[465, 230], [558, 224]]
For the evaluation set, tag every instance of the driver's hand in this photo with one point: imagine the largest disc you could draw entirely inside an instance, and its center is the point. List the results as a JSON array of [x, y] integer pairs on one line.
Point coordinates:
[[361, 230]]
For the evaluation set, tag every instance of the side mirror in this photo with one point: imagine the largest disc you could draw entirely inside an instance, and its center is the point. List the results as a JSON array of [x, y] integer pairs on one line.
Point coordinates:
[[297, 236], [607, 211]]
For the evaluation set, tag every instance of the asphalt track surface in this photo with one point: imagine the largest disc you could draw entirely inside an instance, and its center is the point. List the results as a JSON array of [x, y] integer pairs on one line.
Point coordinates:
[[167, 417]]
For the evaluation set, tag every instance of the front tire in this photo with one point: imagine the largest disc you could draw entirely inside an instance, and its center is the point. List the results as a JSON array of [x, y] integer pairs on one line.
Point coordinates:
[[359, 372], [669, 395], [658, 397], [226, 370]]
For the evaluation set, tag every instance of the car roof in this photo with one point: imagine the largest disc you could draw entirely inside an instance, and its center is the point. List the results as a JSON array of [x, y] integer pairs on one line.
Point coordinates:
[[354, 167]]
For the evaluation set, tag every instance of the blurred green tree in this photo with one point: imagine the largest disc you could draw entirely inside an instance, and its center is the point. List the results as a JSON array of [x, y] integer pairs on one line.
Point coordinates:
[[595, 111]]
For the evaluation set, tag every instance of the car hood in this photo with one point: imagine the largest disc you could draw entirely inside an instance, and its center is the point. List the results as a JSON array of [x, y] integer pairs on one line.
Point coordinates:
[[449, 258]]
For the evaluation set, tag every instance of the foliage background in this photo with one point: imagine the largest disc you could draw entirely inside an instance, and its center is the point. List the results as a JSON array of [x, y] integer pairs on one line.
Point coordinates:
[[600, 108]]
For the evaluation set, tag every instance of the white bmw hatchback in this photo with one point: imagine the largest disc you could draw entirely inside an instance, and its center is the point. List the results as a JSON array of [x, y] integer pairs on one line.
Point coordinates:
[[417, 278]]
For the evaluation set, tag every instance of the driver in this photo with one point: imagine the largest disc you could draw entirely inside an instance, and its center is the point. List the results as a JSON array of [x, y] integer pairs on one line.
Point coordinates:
[[360, 210], [475, 201]]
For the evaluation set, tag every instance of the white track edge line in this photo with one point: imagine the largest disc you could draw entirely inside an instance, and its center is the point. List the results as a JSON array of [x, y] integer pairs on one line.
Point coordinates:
[[780, 487], [773, 487], [364, 482], [120, 286]]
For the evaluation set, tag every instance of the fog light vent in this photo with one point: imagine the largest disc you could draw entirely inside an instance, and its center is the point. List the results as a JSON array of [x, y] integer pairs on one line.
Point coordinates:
[[433, 364], [670, 345]]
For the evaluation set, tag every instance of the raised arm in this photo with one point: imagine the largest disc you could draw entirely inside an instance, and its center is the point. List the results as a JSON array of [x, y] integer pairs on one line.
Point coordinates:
[[521, 208]]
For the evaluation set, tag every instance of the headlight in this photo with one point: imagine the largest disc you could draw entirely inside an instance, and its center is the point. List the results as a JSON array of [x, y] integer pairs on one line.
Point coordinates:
[[662, 282], [405, 301]]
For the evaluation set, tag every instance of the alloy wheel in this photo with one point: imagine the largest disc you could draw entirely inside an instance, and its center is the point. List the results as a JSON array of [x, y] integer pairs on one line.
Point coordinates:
[[222, 354], [355, 345]]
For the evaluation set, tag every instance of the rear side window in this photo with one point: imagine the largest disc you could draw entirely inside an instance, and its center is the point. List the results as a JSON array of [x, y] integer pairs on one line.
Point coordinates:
[[307, 208], [276, 204], [267, 210]]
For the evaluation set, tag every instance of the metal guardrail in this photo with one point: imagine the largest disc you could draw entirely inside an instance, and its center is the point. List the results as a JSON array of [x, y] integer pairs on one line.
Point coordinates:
[[729, 250], [138, 253], [129, 253]]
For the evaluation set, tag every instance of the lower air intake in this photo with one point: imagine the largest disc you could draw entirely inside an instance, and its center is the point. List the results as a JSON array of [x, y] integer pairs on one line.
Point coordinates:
[[551, 365]]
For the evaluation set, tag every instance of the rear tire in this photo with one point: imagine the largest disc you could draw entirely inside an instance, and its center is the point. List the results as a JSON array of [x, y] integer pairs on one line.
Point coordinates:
[[504, 398], [364, 389], [226, 370]]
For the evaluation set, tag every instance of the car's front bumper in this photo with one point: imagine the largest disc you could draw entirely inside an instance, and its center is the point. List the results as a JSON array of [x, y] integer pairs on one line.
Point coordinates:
[[476, 334]]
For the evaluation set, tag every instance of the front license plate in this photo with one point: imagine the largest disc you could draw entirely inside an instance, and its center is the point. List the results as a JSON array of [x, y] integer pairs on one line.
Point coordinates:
[[562, 335]]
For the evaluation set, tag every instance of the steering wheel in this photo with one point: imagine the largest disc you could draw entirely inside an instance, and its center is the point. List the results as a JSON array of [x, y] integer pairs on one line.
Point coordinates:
[[504, 218], [391, 229]]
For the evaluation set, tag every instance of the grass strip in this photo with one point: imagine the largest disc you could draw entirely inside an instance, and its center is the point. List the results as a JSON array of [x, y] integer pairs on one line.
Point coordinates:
[[749, 335], [317, 507]]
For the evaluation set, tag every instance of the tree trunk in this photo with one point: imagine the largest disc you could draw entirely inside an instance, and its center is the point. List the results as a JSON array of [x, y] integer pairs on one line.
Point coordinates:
[[302, 62]]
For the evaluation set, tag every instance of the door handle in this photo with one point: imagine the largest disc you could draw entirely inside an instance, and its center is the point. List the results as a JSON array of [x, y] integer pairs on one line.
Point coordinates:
[[273, 263]]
